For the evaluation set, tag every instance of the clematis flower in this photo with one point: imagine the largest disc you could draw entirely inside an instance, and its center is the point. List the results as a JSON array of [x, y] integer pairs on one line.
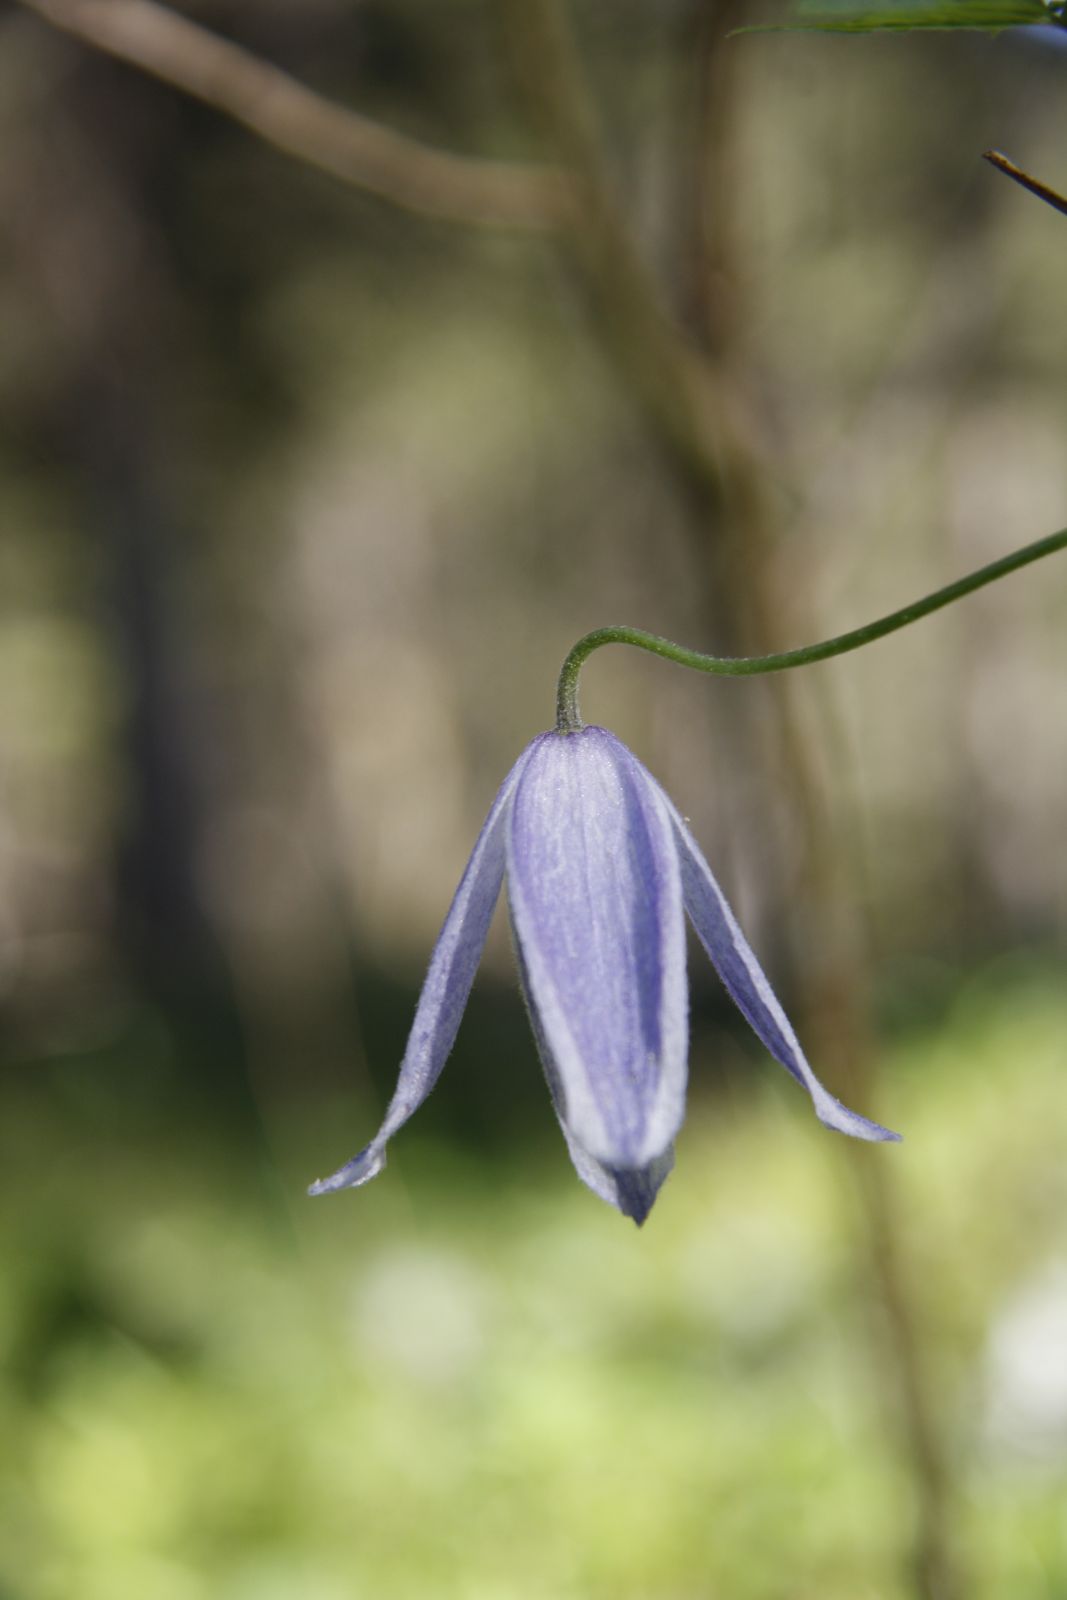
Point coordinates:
[[599, 866]]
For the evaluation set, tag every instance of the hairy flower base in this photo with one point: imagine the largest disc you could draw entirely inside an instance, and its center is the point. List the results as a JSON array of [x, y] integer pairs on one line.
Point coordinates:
[[599, 867]]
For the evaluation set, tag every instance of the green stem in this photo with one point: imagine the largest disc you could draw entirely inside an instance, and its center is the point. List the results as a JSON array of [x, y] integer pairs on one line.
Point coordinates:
[[568, 716]]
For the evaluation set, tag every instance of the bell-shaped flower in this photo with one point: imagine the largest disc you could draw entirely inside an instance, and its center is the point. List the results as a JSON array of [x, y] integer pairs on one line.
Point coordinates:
[[599, 866]]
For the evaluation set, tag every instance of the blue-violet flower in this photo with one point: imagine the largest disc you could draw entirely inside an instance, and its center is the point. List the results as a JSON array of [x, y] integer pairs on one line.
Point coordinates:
[[599, 865]]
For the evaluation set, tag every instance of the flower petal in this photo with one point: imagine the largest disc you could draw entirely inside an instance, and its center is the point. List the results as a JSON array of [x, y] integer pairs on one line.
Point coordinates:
[[743, 977], [631, 1190], [446, 989], [596, 903]]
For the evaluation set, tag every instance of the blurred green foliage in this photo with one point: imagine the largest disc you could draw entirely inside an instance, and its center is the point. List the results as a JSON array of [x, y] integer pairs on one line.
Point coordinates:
[[852, 16], [472, 1380]]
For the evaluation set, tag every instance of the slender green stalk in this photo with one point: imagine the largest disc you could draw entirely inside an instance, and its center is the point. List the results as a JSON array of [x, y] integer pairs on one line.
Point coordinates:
[[568, 716]]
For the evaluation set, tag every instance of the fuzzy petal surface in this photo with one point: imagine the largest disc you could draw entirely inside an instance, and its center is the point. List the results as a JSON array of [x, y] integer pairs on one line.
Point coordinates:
[[596, 903], [447, 987], [747, 986]]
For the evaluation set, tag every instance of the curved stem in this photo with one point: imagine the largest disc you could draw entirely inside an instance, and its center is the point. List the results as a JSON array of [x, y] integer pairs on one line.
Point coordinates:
[[568, 716]]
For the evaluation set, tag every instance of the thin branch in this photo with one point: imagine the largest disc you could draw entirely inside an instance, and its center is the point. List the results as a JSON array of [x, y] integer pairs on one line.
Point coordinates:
[[679, 390], [997, 159], [351, 147]]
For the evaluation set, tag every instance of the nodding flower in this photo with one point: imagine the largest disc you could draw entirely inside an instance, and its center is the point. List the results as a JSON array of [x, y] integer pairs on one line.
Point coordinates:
[[599, 867]]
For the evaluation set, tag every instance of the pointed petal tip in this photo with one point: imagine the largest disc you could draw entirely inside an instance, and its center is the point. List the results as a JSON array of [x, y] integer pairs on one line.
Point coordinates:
[[361, 1169], [832, 1114], [631, 1191], [446, 987], [635, 1190], [744, 979], [638, 1214]]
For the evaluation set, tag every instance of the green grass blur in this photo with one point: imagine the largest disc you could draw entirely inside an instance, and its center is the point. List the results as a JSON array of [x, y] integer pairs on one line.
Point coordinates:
[[473, 1380]]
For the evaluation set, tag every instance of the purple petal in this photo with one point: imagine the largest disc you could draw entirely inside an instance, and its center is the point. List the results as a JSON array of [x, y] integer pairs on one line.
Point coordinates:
[[631, 1191], [447, 987], [739, 970], [596, 902]]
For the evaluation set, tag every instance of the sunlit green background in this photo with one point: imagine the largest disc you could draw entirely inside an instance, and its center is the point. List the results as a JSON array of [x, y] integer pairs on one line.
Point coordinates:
[[475, 1381], [302, 500]]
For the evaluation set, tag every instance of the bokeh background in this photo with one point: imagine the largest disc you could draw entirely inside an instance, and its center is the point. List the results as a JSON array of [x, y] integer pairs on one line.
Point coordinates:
[[303, 498]]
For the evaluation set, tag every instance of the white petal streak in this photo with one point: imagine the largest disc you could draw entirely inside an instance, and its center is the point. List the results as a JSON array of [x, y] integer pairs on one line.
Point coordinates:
[[447, 987], [747, 986], [632, 1190], [596, 903]]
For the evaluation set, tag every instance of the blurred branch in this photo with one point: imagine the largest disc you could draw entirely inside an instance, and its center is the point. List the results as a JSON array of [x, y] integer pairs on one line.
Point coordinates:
[[351, 147], [997, 159], [838, 1010], [676, 385], [678, 388]]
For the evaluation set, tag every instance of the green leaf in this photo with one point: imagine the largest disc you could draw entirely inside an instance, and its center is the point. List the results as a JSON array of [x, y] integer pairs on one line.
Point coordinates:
[[853, 16]]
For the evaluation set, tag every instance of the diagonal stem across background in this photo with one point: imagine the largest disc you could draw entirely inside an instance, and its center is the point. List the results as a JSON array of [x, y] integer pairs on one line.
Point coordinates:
[[283, 112]]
